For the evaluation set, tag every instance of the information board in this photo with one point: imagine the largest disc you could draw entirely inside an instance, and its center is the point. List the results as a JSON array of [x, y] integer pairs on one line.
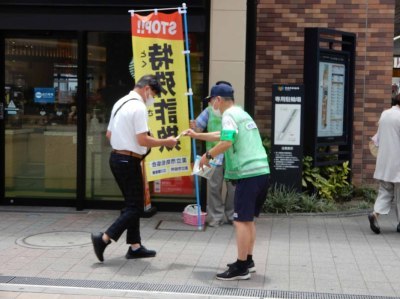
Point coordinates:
[[331, 113], [329, 78], [287, 152]]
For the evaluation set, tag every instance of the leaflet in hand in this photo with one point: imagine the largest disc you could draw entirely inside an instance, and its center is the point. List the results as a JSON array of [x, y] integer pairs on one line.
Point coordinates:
[[205, 172]]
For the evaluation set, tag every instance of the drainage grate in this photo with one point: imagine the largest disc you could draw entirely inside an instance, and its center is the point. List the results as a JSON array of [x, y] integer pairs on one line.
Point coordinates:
[[6, 279], [178, 289]]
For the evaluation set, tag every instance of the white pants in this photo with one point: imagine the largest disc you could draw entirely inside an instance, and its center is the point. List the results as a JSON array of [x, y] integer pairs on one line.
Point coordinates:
[[219, 209], [388, 192]]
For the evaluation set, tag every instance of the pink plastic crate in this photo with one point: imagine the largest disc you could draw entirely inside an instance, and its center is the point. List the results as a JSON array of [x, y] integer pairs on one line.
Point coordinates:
[[190, 215]]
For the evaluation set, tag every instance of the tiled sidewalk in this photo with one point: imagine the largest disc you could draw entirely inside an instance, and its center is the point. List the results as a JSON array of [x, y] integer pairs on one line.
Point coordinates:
[[322, 254]]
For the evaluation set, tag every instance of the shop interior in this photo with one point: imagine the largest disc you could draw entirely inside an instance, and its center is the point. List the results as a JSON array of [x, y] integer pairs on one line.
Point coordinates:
[[41, 113]]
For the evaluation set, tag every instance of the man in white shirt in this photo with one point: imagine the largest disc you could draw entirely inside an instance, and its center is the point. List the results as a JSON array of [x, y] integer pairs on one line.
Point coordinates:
[[129, 138]]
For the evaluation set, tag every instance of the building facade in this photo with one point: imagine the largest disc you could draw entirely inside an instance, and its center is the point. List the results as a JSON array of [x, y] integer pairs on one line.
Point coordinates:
[[279, 55], [64, 64], [55, 152]]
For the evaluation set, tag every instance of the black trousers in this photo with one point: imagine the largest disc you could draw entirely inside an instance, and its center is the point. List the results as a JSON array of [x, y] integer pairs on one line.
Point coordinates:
[[128, 174]]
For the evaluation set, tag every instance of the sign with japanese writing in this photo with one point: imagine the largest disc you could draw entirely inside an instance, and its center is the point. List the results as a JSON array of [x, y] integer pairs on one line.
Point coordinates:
[[286, 151], [331, 99], [158, 49]]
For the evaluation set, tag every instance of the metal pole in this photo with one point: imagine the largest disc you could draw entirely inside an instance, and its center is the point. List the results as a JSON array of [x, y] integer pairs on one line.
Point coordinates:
[[190, 93]]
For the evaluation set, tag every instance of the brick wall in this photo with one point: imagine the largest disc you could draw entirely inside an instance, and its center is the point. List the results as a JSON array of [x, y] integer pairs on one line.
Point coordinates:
[[279, 57]]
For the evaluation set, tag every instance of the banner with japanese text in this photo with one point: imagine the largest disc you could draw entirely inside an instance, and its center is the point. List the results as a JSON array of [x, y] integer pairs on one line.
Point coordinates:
[[158, 47]]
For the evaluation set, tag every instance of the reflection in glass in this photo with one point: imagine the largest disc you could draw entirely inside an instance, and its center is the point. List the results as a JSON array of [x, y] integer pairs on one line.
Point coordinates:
[[40, 141], [108, 79]]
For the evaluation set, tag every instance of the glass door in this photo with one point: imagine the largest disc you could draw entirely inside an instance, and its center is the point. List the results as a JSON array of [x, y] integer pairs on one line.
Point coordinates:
[[109, 77], [40, 113]]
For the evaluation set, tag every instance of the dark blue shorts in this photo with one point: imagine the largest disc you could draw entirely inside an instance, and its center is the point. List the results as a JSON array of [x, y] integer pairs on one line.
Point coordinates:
[[250, 195]]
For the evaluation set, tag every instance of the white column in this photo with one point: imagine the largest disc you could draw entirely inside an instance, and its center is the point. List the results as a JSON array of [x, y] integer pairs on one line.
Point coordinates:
[[228, 44]]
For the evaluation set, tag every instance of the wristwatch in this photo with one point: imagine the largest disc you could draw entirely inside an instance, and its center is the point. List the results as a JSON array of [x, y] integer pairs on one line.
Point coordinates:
[[208, 155]]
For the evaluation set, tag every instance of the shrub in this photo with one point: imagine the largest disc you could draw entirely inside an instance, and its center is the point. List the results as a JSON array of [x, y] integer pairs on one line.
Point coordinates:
[[367, 193], [345, 193], [282, 199], [364, 205], [328, 182], [313, 204]]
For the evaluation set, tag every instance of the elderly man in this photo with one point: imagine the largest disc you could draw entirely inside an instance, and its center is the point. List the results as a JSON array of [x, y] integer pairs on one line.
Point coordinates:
[[246, 164], [129, 138], [387, 169]]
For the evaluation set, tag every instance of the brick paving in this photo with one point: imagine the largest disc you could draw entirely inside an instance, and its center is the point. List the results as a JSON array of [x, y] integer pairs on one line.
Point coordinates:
[[321, 254]]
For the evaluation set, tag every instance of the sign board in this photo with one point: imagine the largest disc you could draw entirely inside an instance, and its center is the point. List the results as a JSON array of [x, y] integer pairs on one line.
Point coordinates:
[[174, 186], [44, 95], [287, 150], [332, 102], [329, 78]]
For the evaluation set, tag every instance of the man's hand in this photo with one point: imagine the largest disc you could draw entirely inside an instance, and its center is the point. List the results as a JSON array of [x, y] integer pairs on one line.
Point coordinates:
[[170, 141], [204, 161], [189, 132]]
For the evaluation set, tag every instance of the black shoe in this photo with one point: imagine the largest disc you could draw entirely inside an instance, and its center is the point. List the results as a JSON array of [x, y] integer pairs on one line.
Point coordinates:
[[99, 245], [398, 228], [250, 265], [142, 252], [374, 223], [233, 273]]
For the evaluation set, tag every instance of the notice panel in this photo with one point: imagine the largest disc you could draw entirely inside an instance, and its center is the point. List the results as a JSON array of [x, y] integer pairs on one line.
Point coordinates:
[[286, 152], [331, 99]]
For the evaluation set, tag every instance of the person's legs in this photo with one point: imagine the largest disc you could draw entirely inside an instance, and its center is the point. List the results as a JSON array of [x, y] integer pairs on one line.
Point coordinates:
[[382, 204], [128, 174], [397, 200], [215, 206], [252, 239], [243, 238], [239, 270], [229, 199], [246, 194], [384, 199]]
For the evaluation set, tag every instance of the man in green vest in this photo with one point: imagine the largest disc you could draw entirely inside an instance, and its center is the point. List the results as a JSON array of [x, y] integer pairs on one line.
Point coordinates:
[[219, 209], [246, 164]]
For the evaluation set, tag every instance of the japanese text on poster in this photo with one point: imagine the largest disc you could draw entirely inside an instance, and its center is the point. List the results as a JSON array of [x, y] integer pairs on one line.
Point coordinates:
[[158, 48]]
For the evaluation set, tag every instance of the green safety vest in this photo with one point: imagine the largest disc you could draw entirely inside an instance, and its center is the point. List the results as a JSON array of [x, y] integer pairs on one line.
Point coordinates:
[[213, 125], [246, 157]]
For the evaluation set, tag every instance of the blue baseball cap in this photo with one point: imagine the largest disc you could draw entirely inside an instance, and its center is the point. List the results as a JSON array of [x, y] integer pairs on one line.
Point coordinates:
[[221, 90]]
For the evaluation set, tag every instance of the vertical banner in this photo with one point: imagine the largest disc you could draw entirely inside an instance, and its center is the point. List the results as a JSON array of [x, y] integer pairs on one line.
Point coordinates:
[[158, 49]]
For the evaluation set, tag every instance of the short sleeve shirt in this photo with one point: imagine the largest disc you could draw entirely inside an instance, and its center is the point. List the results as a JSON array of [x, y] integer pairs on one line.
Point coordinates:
[[130, 120], [201, 122], [202, 119]]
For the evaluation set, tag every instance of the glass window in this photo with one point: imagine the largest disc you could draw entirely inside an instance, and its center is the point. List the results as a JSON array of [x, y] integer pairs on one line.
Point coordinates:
[[40, 117], [110, 77]]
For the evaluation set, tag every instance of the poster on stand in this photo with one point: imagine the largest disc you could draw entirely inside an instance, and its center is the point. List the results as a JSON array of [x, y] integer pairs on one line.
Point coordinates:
[[158, 49]]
